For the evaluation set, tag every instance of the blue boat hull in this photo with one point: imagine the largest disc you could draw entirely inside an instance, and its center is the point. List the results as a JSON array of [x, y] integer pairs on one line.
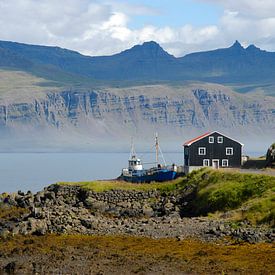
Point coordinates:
[[158, 176]]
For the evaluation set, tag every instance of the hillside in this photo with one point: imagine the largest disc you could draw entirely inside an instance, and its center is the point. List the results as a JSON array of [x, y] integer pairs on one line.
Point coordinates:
[[245, 69]]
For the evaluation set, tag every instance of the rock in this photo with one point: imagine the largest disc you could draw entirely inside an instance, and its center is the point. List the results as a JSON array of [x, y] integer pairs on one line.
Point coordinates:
[[89, 202], [4, 233], [38, 213], [20, 193], [37, 227], [10, 268], [180, 238], [221, 227], [136, 205], [87, 223], [124, 204], [148, 211], [168, 208]]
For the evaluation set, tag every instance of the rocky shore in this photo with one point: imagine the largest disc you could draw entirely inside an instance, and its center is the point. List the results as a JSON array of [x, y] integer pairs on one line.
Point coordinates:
[[73, 210]]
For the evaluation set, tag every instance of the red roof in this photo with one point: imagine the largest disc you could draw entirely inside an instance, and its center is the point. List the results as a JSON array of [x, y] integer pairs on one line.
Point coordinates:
[[189, 142]]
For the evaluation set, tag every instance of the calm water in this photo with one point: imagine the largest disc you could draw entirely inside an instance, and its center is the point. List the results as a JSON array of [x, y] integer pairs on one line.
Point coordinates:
[[34, 171]]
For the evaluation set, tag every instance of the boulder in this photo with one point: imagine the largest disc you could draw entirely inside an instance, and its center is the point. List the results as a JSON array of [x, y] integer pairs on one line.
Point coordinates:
[[148, 211]]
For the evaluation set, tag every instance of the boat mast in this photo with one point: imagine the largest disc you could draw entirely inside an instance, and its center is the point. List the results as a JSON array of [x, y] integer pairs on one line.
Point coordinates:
[[133, 152], [157, 149]]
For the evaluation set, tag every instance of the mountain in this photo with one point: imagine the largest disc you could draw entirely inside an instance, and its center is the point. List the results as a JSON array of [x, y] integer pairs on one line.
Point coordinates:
[[57, 98], [148, 63], [34, 116], [235, 64]]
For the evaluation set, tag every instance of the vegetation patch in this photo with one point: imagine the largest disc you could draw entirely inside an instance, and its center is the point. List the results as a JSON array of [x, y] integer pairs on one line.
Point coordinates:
[[102, 185], [7, 213], [108, 254], [251, 194]]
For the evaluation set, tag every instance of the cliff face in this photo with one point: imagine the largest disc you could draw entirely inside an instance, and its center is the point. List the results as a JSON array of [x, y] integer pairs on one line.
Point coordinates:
[[120, 113]]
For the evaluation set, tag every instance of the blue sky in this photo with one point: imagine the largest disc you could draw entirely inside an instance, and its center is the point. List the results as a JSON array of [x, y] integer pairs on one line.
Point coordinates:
[[104, 27], [176, 13]]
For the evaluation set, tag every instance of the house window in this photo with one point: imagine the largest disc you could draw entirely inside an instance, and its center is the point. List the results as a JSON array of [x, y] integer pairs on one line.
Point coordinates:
[[202, 151], [220, 139], [206, 162], [229, 151], [225, 163], [211, 139]]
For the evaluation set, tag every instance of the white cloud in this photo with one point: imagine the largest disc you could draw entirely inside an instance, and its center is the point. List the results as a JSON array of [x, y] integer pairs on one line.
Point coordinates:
[[250, 8], [102, 27]]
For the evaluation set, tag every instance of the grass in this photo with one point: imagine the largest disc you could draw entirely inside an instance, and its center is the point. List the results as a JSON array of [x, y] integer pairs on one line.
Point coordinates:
[[101, 185], [19, 83], [251, 195], [140, 255], [12, 212]]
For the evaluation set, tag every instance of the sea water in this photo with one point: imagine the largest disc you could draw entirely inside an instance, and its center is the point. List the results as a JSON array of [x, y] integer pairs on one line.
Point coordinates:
[[34, 171]]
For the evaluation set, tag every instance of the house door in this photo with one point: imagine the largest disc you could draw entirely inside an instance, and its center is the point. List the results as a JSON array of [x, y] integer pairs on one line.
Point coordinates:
[[215, 163]]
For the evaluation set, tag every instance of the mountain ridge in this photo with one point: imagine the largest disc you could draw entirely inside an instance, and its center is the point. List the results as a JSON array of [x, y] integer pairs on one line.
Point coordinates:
[[148, 62]]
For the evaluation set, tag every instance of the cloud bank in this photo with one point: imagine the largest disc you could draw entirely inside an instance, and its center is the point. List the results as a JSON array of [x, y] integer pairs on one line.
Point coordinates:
[[102, 28]]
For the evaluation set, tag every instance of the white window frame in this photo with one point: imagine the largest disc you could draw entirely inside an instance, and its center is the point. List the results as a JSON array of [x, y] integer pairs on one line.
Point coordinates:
[[206, 161], [211, 139], [227, 149], [220, 139], [203, 148], [225, 161]]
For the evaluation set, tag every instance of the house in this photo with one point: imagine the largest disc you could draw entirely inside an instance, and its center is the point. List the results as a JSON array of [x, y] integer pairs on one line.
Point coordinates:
[[212, 149]]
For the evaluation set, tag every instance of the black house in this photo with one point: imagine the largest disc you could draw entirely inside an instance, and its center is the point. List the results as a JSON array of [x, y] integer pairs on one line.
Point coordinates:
[[212, 149]]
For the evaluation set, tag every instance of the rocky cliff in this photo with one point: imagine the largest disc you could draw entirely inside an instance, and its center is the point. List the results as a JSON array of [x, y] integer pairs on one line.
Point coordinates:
[[117, 113]]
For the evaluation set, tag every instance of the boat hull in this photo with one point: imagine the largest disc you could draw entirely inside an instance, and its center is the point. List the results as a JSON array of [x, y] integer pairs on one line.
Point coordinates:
[[159, 176]]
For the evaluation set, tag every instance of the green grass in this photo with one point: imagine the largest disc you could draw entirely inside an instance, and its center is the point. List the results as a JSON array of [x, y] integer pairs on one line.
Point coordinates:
[[251, 195], [101, 185]]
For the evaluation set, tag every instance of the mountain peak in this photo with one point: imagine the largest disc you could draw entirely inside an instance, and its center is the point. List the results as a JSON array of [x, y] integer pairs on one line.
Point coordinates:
[[253, 48], [151, 44], [148, 49], [237, 45]]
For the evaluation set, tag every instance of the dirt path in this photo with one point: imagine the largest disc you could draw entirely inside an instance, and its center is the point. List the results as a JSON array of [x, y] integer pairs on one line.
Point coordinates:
[[268, 171]]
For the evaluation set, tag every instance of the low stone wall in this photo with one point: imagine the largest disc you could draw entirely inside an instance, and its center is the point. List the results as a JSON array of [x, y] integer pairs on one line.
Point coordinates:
[[119, 203]]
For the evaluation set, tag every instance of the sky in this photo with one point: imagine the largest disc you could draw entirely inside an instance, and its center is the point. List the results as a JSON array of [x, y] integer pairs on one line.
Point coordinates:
[[105, 27]]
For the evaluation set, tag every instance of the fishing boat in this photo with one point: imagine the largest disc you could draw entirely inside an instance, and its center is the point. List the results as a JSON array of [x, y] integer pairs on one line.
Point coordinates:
[[137, 174]]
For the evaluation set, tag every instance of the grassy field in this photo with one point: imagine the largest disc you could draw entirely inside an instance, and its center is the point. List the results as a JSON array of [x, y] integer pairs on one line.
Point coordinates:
[[106, 185], [16, 86], [133, 255], [251, 196]]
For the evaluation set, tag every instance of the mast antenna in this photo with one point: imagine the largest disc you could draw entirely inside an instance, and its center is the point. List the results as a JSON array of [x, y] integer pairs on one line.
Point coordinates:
[[133, 152], [157, 149]]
